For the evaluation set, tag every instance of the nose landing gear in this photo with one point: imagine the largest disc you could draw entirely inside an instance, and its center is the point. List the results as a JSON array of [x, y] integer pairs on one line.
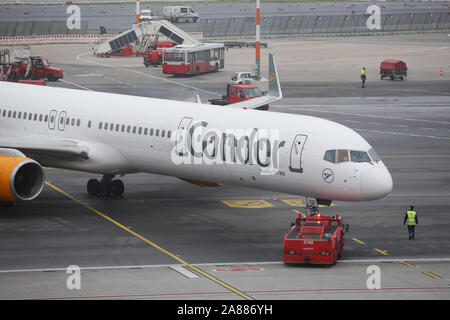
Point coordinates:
[[106, 187]]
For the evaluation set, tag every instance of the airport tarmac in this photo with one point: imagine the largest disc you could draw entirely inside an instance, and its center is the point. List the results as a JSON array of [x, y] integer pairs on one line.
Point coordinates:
[[166, 239]]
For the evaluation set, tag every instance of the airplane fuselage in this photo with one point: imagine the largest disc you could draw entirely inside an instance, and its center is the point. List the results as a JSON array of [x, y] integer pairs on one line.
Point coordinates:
[[123, 134]]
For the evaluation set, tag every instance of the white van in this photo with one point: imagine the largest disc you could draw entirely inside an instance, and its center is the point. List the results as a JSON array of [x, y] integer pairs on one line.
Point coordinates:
[[146, 15], [179, 13]]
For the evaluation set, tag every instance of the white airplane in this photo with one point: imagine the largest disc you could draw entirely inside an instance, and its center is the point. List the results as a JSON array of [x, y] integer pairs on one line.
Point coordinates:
[[113, 134]]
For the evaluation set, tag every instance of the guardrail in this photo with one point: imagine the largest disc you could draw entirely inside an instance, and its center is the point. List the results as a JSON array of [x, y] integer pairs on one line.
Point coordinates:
[[245, 27], [68, 39], [326, 24], [55, 39]]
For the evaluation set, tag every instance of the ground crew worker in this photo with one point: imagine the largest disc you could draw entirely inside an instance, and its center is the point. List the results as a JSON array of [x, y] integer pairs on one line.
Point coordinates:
[[411, 218], [363, 77]]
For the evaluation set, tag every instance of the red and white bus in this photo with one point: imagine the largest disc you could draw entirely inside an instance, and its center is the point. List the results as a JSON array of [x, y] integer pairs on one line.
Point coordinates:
[[194, 59]]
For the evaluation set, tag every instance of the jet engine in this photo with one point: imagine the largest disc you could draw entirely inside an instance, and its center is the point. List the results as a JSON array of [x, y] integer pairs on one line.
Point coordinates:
[[21, 179]]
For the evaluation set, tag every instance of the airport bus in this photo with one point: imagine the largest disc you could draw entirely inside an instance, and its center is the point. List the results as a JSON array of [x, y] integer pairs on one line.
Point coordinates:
[[194, 59]]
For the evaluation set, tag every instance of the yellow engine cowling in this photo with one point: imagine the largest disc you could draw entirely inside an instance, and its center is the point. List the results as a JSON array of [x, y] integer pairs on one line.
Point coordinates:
[[21, 179]]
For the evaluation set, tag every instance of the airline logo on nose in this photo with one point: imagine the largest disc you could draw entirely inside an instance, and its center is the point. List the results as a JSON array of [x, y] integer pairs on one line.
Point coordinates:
[[328, 175]]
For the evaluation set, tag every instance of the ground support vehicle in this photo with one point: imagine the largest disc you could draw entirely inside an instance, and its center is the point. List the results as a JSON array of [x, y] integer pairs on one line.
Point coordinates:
[[154, 56], [241, 44], [248, 78], [32, 68], [314, 240], [238, 93], [127, 51], [194, 59], [393, 69], [179, 13]]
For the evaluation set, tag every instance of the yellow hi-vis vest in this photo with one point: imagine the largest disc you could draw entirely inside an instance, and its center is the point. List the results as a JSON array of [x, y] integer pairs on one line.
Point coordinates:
[[363, 72], [411, 218]]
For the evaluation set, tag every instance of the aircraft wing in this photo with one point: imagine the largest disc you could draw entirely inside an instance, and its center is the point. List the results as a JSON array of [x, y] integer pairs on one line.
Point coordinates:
[[274, 93], [45, 146]]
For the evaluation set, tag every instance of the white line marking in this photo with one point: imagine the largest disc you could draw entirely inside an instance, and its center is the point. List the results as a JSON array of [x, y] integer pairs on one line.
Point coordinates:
[[88, 75], [219, 264], [144, 74], [372, 116], [400, 126], [184, 272], [403, 134], [76, 85]]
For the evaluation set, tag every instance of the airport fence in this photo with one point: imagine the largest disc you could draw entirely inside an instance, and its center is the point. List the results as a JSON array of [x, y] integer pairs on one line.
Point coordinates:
[[270, 26], [326, 24]]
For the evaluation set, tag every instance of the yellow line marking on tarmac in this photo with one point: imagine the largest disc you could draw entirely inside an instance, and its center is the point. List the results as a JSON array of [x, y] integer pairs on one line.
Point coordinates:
[[406, 263], [137, 235], [294, 202], [359, 241], [381, 251], [251, 204], [300, 203], [432, 275], [296, 211]]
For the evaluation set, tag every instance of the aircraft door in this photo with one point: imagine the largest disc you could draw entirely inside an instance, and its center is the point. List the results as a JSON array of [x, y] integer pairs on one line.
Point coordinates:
[[296, 153], [62, 121], [52, 120], [181, 142]]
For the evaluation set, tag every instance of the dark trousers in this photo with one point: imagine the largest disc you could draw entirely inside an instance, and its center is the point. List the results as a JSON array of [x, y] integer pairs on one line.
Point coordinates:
[[363, 80], [411, 232]]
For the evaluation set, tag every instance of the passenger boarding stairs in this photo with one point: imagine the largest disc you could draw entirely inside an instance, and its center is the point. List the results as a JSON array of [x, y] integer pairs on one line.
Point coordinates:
[[154, 27]]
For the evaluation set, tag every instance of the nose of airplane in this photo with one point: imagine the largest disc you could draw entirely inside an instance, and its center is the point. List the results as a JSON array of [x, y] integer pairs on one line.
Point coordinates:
[[376, 183]]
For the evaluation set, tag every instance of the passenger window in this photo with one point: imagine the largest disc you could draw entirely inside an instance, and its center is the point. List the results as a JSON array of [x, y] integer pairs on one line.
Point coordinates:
[[30, 116], [163, 133], [343, 156], [73, 121], [157, 132], [9, 114], [45, 118], [140, 130], [111, 126], [24, 116], [19, 116], [89, 123], [232, 92], [40, 117], [145, 131], [330, 156], [168, 134], [106, 125], [359, 156], [128, 129], [100, 125], [117, 127], [123, 128], [14, 114], [151, 131], [134, 129], [67, 121]]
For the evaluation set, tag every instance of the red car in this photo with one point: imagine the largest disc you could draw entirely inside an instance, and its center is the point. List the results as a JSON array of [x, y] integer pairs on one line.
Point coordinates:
[[40, 69]]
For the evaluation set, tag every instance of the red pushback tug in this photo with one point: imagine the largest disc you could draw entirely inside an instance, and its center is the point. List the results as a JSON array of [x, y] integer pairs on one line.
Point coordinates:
[[314, 240]]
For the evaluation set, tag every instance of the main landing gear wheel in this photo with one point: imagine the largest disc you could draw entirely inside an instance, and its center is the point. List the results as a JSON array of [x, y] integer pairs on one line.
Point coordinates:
[[106, 187]]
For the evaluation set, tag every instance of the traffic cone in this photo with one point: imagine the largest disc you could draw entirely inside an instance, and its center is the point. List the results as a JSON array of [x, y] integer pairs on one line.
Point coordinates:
[[441, 72]]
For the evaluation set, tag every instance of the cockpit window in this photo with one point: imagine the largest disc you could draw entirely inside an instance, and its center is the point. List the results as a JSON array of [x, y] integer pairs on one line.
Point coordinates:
[[330, 156], [374, 155], [359, 156], [342, 156]]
